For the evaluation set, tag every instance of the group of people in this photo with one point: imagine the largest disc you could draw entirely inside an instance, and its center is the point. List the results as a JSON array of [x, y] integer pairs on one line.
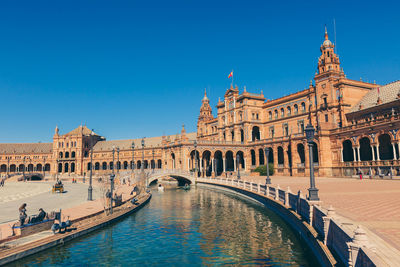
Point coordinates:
[[33, 219]]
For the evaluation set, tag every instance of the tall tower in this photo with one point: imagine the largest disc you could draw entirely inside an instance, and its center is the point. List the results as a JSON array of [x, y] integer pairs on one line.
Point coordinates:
[[205, 115], [205, 109], [328, 62]]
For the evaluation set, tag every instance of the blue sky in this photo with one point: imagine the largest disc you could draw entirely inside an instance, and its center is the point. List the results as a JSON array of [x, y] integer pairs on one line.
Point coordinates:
[[139, 68]]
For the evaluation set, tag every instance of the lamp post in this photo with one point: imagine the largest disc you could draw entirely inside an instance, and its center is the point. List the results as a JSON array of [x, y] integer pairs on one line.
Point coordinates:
[[237, 164], [90, 188], [118, 163], [113, 153], [8, 166], [44, 164], [133, 157], [195, 157], [312, 191], [142, 165], [58, 169], [267, 150], [112, 176], [23, 170], [152, 166]]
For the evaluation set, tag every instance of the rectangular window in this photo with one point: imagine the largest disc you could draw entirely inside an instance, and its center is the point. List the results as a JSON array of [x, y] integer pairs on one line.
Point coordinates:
[[326, 117]]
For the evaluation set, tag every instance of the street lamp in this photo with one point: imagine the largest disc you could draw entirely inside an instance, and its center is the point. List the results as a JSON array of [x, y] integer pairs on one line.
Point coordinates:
[[312, 191], [112, 176], [23, 170], [44, 164], [90, 188], [152, 166], [118, 163], [237, 164], [195, 157], [142, 165], [133, 157], [113, 164], [267, 150]]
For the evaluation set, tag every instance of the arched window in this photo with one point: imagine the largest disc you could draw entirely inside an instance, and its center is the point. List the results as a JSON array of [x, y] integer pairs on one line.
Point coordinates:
[[385, 147], [60, 155], [73, 154], [276, 113], [66, 155], [104, 167], [270, 115], [348, 151], [289, 111], [296, 109], [97, 166], [303, 106], [282, 112]]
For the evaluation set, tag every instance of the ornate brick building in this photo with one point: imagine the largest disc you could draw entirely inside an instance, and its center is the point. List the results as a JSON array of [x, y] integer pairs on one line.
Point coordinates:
[[356, 129]]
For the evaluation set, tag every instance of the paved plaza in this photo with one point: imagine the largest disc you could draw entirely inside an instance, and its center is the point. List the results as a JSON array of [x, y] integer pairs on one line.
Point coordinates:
[[38, 195], [374, 204]]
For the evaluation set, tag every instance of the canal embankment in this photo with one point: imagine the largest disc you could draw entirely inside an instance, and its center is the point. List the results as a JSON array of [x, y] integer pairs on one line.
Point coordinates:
[[81, 225], [322, 229]]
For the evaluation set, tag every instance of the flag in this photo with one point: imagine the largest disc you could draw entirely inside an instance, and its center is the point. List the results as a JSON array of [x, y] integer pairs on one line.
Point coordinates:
[[230, 75]]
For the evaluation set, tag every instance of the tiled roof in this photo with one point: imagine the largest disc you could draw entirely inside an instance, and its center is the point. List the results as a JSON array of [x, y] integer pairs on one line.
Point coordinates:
[[80, 130], [387, 93], [26, 148], [126, 144]]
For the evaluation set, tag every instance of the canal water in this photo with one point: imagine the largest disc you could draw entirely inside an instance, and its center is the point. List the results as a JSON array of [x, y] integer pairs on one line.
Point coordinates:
[[198, 227]]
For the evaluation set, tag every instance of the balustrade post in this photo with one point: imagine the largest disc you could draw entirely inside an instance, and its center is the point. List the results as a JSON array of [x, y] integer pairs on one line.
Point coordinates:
[[277, 193], [258, 188], [267, 190], [287, 196], [327, 219]]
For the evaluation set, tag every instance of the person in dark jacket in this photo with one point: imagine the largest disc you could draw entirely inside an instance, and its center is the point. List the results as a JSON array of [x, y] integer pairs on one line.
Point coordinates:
[[22, 214]]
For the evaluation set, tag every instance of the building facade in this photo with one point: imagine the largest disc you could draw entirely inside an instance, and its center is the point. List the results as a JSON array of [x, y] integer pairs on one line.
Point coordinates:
[[356, 126]]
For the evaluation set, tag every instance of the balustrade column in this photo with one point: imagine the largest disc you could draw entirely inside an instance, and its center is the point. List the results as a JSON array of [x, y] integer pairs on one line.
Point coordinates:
[[358, 153], [354, 154], [394, 151]]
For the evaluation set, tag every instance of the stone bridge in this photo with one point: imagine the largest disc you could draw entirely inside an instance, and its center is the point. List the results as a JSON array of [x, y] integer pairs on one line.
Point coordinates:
[[181, 176]]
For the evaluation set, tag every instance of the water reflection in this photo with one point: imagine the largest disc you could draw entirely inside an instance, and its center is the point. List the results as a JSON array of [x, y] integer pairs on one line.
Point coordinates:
[[180, 228]]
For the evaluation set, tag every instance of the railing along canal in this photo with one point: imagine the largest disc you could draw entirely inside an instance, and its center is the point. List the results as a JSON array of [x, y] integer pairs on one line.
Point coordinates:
[[350, 244]]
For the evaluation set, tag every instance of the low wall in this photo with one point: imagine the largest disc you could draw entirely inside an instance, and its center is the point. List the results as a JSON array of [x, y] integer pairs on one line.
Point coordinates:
[[319, 228]]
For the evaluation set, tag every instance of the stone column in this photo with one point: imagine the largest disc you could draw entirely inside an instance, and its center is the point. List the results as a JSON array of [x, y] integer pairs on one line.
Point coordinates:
[[212, 168], [341, 154], [223, 165], [394, 151], [358, 153], [354, 154], [377, 153], [373, 152], [234, 163]]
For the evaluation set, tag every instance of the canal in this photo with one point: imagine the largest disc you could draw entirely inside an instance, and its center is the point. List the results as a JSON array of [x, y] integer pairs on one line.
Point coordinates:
[[201, 226]]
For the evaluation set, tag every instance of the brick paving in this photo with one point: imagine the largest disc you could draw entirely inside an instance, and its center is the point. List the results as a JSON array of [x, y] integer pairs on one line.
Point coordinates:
[[374, 204]]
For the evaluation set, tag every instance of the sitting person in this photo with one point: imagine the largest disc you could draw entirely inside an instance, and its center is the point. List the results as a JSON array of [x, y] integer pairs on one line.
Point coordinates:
[[42, 215]]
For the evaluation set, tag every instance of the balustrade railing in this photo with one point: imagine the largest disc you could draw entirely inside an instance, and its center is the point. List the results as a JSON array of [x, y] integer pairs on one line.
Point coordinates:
[[344, 243]]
